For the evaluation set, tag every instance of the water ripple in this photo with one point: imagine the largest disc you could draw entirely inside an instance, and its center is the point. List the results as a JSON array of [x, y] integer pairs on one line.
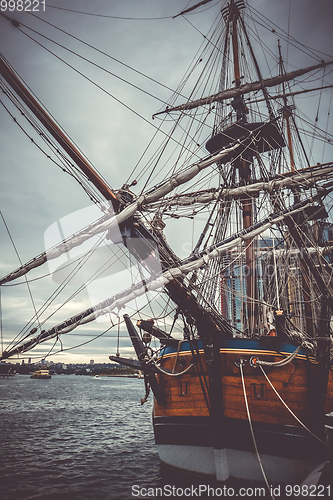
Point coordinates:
[[75, 438]]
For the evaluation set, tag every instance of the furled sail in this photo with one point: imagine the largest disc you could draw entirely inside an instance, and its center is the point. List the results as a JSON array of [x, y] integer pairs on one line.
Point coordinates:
[[306, 178], [244, 89], [106, 222], [191, 264]]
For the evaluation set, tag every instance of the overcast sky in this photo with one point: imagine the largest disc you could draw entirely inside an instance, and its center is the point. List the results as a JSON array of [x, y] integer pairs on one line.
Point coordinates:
[[33, 192]]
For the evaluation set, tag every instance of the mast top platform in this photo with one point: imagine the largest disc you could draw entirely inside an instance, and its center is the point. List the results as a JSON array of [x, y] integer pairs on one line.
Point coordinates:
[[232, 10]]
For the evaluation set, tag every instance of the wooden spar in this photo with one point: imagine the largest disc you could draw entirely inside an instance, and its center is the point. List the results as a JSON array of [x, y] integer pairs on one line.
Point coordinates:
[[205, 321], [244, 89], [235, 48], [243, 165], [191, 8], [56, 132], [287, 113], [141, 353], [249, 250], [291, 94], [276, 182]]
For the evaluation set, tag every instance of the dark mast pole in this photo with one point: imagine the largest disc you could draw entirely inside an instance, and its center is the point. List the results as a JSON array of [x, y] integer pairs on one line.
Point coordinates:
[[243, 165]]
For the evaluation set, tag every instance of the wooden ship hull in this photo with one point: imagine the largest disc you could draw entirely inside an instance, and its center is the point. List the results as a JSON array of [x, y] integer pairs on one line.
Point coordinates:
[[188, 438]]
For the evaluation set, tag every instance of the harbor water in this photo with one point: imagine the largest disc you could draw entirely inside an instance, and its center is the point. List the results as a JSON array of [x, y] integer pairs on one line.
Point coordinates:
[[75, 437]]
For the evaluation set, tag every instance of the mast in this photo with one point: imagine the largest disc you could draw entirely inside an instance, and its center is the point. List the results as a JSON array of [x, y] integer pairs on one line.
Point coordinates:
[[243, 165], [287, 113]]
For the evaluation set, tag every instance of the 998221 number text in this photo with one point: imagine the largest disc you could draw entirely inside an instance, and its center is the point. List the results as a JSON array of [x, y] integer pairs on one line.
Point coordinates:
[[22, 5]]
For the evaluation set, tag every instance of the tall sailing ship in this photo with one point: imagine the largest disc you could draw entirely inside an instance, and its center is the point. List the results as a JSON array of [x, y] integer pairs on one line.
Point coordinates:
[[234, 340]]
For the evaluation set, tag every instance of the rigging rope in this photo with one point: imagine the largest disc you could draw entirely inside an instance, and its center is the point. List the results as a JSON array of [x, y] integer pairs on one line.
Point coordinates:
[[104, 53], [241, 361], [168, 135], [282, 362], [87, 60], [173, 374], [67, 165], [317, 113], [110, 17], [290, 411], [20, 261], [285, 36], [170, 274]]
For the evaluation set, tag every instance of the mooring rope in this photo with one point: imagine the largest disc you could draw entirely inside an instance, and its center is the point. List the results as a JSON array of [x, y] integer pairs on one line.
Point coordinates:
[[176, 360], [292, 413], [251, 428], [170, 374], [282, 362]]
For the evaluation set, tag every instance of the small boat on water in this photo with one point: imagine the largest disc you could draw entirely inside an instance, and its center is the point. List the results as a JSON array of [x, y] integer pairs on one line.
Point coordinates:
[[41, 374]]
